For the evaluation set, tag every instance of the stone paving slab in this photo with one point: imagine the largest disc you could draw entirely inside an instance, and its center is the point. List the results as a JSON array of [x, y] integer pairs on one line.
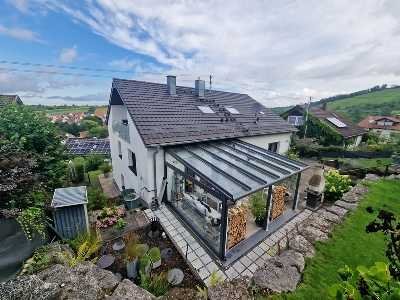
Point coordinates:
[[346, 205]]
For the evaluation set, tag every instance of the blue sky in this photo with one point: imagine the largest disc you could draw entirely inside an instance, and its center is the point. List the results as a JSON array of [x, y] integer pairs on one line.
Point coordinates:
[[279, 52]]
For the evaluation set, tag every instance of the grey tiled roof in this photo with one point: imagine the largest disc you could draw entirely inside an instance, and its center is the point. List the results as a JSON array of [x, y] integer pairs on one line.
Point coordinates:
[[162, 119], [8, 99], [69, 196]]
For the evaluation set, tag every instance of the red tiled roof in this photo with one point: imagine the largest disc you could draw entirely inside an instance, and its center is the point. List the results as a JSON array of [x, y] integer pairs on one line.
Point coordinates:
[[370, 123]]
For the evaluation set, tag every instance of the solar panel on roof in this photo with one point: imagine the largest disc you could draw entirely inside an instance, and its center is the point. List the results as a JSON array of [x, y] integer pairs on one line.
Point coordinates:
[[336, 122]]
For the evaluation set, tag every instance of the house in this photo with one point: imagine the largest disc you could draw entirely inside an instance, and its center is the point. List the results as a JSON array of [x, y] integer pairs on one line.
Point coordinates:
[[202, 154], [331, 123], [383, 125], [101, 112], [9, 99], [69, 117]]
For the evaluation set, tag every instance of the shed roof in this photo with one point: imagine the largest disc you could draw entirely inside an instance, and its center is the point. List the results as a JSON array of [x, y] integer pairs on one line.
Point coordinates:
[[236, 167], [162, 119], [69, 196]]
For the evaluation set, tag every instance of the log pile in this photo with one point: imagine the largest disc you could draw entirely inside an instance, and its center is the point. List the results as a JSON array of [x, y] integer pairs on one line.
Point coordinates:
[[278, 201], [237, 224]]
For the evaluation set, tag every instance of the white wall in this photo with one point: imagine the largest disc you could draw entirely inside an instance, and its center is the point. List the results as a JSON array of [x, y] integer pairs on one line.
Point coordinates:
[[262, 141], [143, 181]]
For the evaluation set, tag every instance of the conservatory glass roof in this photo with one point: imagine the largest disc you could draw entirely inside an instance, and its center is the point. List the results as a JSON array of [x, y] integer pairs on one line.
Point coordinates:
[[238, 168]]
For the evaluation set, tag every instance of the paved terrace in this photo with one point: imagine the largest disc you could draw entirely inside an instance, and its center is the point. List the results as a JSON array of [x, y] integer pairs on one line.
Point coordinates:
[[203, 264]]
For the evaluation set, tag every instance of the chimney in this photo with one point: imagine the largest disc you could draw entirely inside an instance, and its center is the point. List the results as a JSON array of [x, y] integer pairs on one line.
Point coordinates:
[[200, 87], [171, 84]]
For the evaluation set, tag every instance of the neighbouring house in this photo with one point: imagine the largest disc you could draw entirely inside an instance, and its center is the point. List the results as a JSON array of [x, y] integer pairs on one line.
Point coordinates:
[[70, 118], [385, 126], [9, 99], [203, 153], [327, 126], [101, 112]]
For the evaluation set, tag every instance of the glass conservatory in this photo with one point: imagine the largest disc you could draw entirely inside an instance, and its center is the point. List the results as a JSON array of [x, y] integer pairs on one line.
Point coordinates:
[[231, 194]]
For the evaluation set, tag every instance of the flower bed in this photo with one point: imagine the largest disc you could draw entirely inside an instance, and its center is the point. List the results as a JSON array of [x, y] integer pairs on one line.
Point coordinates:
[[109, 216]]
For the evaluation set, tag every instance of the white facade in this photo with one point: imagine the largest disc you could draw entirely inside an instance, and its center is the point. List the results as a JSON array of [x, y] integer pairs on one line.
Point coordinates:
[[143, 181]]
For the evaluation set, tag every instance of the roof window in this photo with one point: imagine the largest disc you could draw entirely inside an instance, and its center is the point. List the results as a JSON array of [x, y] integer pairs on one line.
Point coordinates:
[[232, 110], [206, 109], [336, 122]]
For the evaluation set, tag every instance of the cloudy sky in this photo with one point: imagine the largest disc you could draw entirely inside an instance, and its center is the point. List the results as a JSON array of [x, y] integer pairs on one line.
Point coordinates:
[[279, 52]]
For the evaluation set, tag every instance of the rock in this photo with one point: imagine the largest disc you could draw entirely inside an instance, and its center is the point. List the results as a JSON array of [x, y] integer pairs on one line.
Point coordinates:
[[128, 290], [29, 287], [301, 245], [337, 210], [235, 289], [313, 234], [372, 177], [329, 216], [318, 222], [355, 194], [280, 273], [346, 205], [85, 281]]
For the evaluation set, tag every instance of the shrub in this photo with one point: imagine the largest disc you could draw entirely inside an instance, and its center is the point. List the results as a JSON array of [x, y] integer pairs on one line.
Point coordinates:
[[96, 198], [39, 261], [120, 224], [86, 247], [105, 168], [77, 170], [93, 162], [134, 250], [109, 216], [336, 185], [33, 220], [258, 207], [366, 283]]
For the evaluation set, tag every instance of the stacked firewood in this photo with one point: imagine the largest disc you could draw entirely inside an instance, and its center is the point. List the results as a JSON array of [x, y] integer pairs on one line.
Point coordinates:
[[278, 201], [237, 224]]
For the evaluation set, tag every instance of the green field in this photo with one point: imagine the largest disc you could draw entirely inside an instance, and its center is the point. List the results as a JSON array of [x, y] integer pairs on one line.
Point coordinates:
[[386, 102], [350, 244]]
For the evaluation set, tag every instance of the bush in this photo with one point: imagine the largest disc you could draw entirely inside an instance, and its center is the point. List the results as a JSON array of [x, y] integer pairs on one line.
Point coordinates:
[[93, 162], [120, 224], [86, 246], [96, 199], [77, 170], [39, 261], [336, 185], [258, 207], [33, 221], [154, 254], [105, 168]]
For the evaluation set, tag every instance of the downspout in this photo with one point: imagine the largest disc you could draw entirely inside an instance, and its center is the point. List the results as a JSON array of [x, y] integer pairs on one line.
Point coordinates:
[[155, 171]]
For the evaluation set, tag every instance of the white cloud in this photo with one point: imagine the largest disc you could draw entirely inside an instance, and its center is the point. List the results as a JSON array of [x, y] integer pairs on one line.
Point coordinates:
[[20, 33], [21, 5], [277, 51], [68, 55]]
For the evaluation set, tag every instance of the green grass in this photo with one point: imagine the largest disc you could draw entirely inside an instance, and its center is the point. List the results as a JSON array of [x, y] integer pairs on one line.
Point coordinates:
[[349, 244], [385, 102]]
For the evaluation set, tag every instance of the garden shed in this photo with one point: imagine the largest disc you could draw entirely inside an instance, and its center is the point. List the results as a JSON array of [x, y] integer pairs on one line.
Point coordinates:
[[70, 211]]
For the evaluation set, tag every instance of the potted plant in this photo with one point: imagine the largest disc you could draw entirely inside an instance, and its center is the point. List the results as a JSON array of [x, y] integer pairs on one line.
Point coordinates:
[[258, 208], [145, 264], [155, 257], [133, 253]]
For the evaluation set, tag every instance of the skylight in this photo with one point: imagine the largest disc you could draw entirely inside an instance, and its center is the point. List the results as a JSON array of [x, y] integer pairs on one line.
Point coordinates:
[[296, 120], [232, 110], [336, 122], [206, 109]]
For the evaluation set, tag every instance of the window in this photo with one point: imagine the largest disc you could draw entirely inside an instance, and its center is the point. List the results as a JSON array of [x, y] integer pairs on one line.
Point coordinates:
[[336, 122], [206, 109], [132, 162], [296, 120], [273, 147], [232, 110], [119, 150]]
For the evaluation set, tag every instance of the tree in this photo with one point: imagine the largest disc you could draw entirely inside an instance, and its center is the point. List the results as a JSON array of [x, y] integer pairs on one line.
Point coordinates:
[[28, 136], [98, 131], [94, 119]]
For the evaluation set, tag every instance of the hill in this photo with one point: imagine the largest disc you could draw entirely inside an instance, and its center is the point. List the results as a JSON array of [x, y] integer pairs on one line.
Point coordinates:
[[379, 100], [356, 108]]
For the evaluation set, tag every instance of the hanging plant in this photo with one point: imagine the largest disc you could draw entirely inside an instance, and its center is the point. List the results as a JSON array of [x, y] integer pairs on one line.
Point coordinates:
[[32, 221]]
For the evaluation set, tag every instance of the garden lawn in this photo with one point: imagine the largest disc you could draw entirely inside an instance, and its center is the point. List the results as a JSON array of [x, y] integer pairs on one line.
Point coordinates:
[[349, 244]]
